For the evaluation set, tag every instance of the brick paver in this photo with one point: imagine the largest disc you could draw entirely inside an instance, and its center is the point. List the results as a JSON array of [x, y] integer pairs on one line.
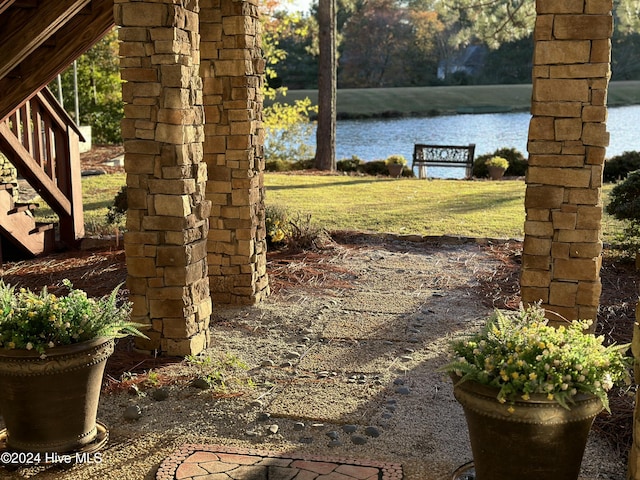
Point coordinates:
[[216, 462]]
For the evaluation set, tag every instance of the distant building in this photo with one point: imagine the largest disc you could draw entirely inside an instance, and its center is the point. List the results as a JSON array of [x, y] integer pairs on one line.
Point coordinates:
[[469, 61]]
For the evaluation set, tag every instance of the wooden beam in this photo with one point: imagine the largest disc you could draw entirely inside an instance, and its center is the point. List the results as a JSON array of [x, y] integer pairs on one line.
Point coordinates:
[[4, 4], [25, 29], [37, 70]]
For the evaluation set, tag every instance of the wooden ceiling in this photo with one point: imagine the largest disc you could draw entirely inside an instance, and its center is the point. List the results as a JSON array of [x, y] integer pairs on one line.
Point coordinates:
[[41, 38]]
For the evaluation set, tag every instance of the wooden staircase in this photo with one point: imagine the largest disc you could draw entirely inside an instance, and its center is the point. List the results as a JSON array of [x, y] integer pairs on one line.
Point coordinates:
[[42, 142], [21, 234], [40, 39]]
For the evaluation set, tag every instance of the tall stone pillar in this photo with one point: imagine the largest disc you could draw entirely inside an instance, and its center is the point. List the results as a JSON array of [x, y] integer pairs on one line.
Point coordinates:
[[232, 71], [167, 219], [567, 139]]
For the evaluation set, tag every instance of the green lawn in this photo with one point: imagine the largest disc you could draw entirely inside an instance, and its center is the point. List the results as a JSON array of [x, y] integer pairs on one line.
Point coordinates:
[[405, 206], [408, 206]]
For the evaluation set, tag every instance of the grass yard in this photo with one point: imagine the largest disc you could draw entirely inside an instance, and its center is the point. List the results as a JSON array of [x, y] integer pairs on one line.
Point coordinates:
[[406, 206], [479, 208]]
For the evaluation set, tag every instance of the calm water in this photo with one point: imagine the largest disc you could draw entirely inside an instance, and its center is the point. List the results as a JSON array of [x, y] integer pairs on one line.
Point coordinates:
[[376, 139]]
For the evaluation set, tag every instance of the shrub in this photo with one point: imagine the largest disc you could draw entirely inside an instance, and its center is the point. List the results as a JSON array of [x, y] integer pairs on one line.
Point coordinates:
[[618, 167], [295, 233], [375, 167], [353, 164], [306, 235], [118, 210], [277, 165], [277, 225], [517, 163], [625, 205], [307, 164]]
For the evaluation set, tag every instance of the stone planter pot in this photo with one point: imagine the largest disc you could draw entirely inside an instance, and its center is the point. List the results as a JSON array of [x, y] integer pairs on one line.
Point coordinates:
[[540, 440], [496, 173], [395, 170], [50, 405]]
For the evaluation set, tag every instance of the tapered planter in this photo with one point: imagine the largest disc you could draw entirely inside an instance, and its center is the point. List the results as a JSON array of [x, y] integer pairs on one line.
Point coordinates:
[[495, 173], [539, 440], [50, 405], [395, 170]]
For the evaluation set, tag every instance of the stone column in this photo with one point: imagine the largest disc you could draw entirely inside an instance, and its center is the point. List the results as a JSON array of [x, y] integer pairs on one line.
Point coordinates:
[[167, 219], [232, 71], [567, 140]]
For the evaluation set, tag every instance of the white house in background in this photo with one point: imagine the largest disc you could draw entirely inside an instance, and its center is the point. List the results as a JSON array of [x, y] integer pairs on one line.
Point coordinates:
[[469, 61]]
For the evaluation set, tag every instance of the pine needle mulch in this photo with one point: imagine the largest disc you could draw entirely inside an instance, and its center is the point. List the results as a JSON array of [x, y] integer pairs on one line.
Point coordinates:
[[99, 272]]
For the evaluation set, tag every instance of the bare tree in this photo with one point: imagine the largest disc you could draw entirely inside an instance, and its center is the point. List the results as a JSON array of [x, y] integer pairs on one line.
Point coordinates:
[[326, 131]]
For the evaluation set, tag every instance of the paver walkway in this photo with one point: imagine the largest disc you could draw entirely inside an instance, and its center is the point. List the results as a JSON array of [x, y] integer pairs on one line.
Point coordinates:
[[215, 462]]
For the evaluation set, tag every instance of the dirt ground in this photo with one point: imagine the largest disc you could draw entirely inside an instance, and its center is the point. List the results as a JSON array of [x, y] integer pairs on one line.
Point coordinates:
[[353, 334]]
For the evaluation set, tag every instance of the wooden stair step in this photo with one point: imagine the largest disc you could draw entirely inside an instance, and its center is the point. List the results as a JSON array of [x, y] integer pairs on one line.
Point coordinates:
[[23, 207], [42, 227]]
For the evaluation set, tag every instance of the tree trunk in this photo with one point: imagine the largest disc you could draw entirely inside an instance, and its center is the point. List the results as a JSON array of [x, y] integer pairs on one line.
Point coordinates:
[[326, 131]]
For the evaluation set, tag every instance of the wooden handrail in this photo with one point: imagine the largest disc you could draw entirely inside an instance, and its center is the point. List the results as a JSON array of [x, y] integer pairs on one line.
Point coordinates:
[[41, 141]]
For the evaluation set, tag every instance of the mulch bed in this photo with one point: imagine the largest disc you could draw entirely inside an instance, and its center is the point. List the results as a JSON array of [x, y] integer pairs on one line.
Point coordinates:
[[99, 272]]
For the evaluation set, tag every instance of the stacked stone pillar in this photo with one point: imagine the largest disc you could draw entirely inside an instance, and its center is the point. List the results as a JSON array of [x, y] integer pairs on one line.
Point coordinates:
[[167, 219], [567, 140], [232, 71]]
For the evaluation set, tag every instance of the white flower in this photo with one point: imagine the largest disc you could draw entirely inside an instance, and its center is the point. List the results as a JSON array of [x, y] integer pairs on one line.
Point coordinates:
[[51, 344], [29, 345]]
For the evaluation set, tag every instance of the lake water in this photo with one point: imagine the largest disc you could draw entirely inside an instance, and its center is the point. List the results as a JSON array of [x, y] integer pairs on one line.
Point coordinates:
[[376, 139]]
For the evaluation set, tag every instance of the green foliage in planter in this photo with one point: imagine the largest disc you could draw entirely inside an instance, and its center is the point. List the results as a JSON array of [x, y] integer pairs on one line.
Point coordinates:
[[395, 160], [517, 163], [38, 321], [499, 162], [521, 355], [618, 167]]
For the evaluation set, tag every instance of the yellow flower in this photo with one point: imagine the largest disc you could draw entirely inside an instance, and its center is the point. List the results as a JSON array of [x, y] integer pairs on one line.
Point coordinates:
[[550, 396], [533, 376], [526, 396], [511, 409]]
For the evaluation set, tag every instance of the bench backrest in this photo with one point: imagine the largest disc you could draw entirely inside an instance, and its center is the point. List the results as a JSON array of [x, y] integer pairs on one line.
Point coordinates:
[[443, 155]]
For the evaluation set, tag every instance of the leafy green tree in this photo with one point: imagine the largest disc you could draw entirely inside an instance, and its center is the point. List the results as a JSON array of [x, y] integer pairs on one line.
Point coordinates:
[[498, 21], [288, 127], [99, 90], [376, 42]]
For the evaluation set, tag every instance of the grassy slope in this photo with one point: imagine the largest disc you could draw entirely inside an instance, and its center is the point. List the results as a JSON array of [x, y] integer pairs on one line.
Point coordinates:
[[426, 207], [492, 209], [378, 204], [429, 100]]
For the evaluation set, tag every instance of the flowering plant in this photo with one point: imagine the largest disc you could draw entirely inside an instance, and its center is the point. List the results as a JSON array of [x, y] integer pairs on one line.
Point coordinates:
[[37, 321], [521, 355], [395, 160], [499, 162]]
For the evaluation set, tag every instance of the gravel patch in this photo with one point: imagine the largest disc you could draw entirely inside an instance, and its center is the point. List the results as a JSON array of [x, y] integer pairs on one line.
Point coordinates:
[[344, 364]]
